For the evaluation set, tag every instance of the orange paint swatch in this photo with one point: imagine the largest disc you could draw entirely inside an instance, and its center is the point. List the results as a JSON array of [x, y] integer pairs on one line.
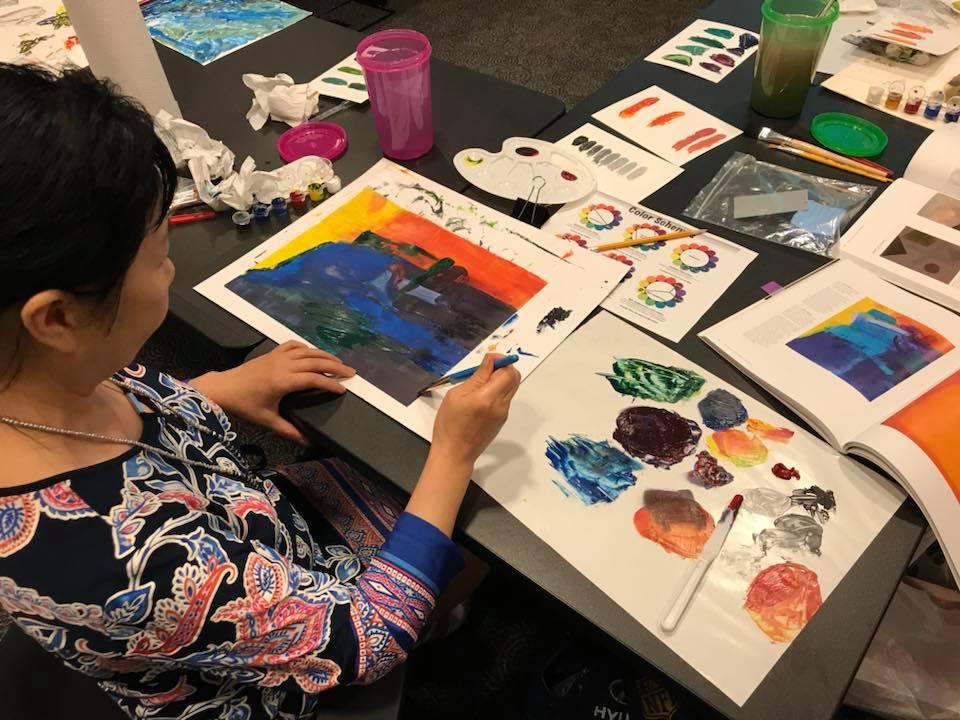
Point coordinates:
[[629, 112], [768, 431], [675, 521], [782, 599], [738, 447]]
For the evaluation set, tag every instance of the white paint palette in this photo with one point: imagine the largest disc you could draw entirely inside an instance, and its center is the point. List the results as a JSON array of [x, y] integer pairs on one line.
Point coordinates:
[[529, 169], [913, 33]]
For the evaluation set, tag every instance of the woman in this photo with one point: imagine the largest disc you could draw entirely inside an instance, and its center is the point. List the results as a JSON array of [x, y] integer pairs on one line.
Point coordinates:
[[134, 543]]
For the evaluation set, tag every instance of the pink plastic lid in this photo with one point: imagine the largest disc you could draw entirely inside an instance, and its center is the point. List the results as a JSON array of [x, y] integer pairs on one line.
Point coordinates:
[[324, 139], [389, 50]]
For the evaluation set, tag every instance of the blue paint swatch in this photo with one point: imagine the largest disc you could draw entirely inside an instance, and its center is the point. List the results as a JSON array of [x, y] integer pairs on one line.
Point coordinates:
[[721, 410], [594, 470]]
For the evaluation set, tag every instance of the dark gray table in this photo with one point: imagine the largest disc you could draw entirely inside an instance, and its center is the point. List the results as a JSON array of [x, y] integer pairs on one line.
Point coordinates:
[[811, 679], [470, 110]]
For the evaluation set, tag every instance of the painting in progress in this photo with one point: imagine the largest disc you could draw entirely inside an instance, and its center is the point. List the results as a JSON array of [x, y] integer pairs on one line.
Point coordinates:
[[672, 128], [38, 31], [707, 49], [390, 293], [205, 30], [871, 347], [407, 281], [627, 473]]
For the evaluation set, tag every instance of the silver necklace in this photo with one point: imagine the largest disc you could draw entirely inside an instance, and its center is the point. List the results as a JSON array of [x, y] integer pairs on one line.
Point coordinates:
[[241, 473]]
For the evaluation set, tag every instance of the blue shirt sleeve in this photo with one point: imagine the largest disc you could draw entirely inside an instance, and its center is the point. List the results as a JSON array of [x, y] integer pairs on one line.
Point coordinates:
[[421, 549]]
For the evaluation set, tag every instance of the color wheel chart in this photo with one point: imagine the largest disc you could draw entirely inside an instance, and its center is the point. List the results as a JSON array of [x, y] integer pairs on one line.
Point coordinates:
[[660, 291], [694, 258], [600, 216], [643, 230]]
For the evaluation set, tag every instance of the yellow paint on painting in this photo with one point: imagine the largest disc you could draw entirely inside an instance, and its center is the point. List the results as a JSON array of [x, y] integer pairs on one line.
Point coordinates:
[[845, 317], [366, 210]]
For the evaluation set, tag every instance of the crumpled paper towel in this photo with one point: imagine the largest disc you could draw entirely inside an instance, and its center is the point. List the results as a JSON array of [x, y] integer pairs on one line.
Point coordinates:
[[279, 98], [211, 164]]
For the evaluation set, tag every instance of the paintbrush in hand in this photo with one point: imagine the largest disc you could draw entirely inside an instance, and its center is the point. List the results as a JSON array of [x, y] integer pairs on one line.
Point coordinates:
[[462, 375]]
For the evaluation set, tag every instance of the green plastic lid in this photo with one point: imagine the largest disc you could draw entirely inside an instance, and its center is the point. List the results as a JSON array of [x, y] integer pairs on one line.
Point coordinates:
[[848, 134]]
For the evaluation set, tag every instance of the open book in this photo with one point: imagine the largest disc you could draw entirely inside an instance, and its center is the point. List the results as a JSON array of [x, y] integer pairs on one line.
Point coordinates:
[[911, 234], [873, 369]]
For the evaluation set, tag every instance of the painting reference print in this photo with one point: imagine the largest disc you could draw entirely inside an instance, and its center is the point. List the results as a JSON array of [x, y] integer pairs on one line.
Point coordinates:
[[382, 276], [707, 49], [923, 253], [632, 468], [623, 170], [666, 125], [669, 284], [38, 31], [345, 81], [206, 30]]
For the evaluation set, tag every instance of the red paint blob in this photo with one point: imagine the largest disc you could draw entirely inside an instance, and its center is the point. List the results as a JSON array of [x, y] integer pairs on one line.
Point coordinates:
[[527, 151], [785, 473], [782, 599], [568, 175]]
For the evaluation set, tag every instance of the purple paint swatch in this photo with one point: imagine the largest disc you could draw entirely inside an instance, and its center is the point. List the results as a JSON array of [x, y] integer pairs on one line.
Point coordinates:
[[659, 437]]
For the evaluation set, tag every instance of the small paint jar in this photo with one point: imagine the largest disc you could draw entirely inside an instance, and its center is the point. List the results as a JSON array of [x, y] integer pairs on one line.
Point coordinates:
[[914, 100], [934, 103], [951, 111], [298, 201], [261, 212], [316, 192], [895, 94], [279, 206], [333, 185], [241, 219], [874, 95]]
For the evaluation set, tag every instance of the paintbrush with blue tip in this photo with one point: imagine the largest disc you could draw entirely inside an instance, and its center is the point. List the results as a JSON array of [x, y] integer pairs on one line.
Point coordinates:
[[462, 375]]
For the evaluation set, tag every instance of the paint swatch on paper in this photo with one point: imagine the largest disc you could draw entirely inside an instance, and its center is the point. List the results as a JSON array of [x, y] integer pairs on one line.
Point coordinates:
[[769, 432], [393, 295], [764, 501], [740, 448], [721, 409], [706, 49], [646, 380], [871, 347], [550, 320], [344, 80], [938, 438], [675, 521], [818, 503], [659, 437], [791, 534], [205, 30], [594, 471], [782, 599], [707, 472]]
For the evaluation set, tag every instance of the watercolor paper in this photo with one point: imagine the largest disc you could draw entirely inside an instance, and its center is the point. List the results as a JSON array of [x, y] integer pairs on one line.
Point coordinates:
[[666, 125], [622, 169], [407, 281], [669, 285], [707, 49], [39, 32], [344, 80], [913, 33], [206, 30], [643, 531]]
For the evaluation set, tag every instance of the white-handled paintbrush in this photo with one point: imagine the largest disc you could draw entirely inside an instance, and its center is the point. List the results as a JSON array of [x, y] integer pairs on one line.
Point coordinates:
[[696, 572]]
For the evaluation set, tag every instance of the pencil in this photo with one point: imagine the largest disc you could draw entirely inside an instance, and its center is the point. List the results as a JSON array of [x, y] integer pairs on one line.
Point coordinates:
[[647, 240], [464, 374], [865, 172]]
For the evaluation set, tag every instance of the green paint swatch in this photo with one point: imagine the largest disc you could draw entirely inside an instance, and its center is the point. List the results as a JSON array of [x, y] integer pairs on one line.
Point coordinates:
[[679, 58], [719, 32], [692, 49], [649, 381], [358, 86], [335, 81], [350, 70]]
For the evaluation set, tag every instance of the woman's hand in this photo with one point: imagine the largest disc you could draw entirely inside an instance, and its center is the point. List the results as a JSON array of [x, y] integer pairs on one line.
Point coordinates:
[[253, 391], [473, 412]]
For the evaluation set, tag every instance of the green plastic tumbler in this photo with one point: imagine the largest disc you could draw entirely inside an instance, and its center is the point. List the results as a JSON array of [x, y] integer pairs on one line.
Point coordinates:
[[792, 37]]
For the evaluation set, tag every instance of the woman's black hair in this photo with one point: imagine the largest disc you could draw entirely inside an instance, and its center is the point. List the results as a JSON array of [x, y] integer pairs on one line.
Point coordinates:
[[82, 176]]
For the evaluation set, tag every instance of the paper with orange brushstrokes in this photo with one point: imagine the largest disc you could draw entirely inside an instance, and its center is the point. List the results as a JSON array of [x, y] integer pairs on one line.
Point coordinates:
[[732, 647]]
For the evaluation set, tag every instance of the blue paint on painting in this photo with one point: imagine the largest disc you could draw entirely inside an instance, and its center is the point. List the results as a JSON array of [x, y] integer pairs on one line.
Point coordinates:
[[721, 410], [521, 351], [205, 30], [596, 471]]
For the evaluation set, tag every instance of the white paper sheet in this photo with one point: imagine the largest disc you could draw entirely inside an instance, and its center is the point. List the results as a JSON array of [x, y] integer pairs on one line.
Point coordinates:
[[38, 32], [696, 271], [337, 80], [666, 125], [936, 164], [631, 175], [716, 636], [838, 53], [697, 45], [576, 284]]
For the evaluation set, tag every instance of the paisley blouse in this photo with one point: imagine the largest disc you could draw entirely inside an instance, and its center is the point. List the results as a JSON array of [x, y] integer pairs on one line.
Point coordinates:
[[190, 594]]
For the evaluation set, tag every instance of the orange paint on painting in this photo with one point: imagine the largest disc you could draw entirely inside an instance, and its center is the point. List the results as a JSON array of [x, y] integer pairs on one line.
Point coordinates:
[[931, 422], [370, 211], [782, 599]]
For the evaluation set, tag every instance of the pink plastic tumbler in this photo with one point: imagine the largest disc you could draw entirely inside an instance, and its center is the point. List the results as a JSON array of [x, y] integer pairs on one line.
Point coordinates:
[[396, 68]]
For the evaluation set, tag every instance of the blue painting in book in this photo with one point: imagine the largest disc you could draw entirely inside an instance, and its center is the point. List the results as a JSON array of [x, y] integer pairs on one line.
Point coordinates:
[[205, 30]]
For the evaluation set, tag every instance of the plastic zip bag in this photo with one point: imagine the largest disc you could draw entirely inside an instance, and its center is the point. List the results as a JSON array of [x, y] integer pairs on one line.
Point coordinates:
[[832, 204]]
